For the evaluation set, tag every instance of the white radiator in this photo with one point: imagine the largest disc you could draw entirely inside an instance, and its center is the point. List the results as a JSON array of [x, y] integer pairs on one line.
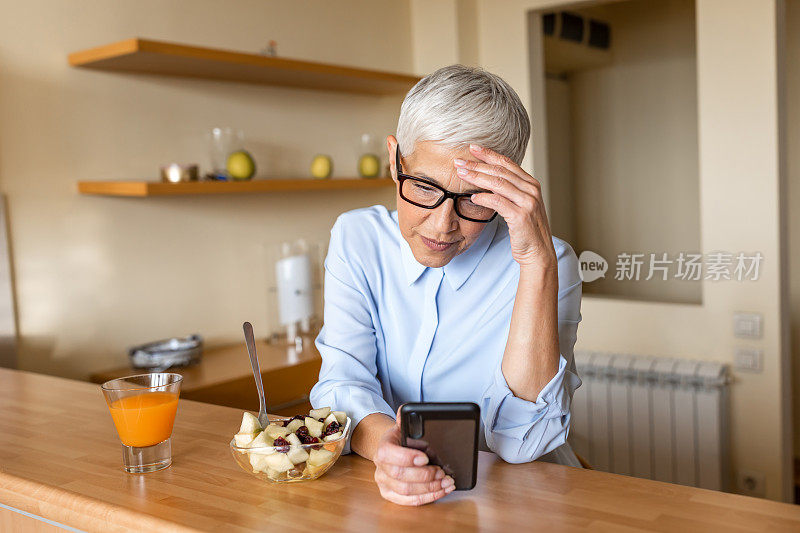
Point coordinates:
[[656, 418]]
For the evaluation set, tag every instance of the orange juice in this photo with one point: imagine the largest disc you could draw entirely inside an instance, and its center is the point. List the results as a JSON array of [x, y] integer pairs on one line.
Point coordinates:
[[144, 419]]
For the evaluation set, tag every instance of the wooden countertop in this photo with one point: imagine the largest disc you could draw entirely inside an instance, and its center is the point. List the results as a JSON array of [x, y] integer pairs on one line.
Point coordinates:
[[60, 459]]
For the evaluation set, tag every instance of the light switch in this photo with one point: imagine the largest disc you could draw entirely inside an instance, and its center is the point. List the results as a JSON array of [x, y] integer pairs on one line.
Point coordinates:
[[747, 325], [749, 359]]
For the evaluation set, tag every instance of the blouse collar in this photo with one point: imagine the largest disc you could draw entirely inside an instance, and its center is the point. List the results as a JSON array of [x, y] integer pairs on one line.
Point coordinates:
[[459, 269]]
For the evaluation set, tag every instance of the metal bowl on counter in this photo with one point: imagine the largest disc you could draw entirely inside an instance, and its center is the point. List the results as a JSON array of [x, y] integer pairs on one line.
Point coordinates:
[[161, 355]]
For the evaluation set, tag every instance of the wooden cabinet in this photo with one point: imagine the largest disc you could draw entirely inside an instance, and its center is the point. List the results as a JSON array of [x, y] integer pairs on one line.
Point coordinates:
[[223, 377]]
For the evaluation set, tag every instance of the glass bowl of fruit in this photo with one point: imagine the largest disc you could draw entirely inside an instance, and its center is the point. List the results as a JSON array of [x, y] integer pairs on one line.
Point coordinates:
[[299, 448]]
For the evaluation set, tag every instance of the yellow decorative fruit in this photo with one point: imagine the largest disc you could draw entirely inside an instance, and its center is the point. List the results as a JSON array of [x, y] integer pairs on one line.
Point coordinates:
[[240, 165], [369, 165], [321, 166]]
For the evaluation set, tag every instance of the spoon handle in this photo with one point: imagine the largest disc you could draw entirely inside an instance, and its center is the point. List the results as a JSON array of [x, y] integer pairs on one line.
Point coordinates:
[[251, 351]]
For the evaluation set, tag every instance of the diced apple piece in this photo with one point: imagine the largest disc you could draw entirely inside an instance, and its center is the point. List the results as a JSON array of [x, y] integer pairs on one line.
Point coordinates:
[[319, 457], [293, 425], [297, 455], [275, 431], [331, 418], [273, 474], [335, 436], [314, 427], [258, 462], [242, 439], [341, 417], [315, 470], [322, 412], [263, 442], [249, 424], [292, 438], [279, 462]]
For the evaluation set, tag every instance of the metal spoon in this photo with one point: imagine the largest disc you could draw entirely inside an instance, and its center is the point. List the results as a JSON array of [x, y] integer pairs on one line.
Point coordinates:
[[251, 351]]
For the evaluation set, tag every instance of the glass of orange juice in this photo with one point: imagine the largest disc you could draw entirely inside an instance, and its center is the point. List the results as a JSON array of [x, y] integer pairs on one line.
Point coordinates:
[[143, 408]]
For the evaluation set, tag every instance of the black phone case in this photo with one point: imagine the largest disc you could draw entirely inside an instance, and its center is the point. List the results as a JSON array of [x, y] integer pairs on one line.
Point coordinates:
[[448, 434]]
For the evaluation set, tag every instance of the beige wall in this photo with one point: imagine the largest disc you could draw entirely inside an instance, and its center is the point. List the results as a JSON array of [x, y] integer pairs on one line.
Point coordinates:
[[792, 65], [739, 188], [634, 146], [561, 215], [96, 275]]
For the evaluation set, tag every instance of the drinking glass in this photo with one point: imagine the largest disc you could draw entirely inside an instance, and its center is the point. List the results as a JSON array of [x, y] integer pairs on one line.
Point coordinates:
[[143, 409], [221, 143]]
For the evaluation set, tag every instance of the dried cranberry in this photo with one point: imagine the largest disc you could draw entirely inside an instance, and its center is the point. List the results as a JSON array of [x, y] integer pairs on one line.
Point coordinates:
[[286, 422], [308, 439], [322, 420], [281, 445], [302, 430], [332, 428]]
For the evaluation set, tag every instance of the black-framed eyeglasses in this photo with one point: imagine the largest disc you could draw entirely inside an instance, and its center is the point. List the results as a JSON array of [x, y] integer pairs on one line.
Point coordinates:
[[428, 195]]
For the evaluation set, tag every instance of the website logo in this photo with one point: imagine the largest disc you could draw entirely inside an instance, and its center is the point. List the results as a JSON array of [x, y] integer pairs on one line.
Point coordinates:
[[592, 266]]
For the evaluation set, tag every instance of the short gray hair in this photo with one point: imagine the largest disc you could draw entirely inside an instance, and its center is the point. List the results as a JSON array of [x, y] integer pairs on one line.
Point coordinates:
[[458, 105]]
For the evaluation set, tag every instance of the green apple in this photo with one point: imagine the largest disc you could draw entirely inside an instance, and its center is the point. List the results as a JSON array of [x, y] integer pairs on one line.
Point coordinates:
[[369, 166], [240, 165], [321, 166]]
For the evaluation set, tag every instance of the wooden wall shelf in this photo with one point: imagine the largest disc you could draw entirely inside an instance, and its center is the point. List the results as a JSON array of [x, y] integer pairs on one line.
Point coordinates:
[[158, 57], [155, 188]]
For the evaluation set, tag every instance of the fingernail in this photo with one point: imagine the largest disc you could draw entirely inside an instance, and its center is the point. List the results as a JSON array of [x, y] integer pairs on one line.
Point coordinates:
[[421, 460], [459, 162], [439, 474], [462, 171], [448, 482], [475, 147]]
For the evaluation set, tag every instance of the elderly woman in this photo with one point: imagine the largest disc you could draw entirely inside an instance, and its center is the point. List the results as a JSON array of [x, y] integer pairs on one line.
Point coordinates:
[[443, 300]]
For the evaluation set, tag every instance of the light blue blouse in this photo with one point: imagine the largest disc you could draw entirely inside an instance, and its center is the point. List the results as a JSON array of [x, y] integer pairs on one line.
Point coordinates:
[[396, 331]]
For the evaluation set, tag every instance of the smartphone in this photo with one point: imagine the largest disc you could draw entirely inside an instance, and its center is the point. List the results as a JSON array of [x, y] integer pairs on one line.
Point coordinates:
[[448, 434]]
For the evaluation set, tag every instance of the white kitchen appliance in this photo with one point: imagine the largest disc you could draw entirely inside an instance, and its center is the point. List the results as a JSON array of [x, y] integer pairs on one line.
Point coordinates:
[[294, 281]]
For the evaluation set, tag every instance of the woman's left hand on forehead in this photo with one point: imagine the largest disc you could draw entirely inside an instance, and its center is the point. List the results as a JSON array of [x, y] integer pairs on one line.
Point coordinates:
[[517, 197]]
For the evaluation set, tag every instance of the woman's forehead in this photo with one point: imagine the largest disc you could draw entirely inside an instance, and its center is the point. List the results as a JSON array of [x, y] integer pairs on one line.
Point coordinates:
[[431, 159], [434, 162]]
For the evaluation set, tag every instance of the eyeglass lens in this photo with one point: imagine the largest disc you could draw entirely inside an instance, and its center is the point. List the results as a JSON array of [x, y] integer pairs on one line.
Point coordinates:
[[425, 195]]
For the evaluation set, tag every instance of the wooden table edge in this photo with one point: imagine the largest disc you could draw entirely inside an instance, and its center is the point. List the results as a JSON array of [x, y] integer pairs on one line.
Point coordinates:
[[76, 510]]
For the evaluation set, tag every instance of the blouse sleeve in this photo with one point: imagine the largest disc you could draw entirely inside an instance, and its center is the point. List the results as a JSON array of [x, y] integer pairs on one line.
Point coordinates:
[[347, 341], [521, 431]]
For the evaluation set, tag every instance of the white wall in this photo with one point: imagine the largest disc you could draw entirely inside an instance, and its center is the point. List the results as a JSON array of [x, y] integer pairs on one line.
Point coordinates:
[[96, 275]]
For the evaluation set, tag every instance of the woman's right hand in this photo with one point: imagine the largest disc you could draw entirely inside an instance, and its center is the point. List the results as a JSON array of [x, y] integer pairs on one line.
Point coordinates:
[[403, 474]]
